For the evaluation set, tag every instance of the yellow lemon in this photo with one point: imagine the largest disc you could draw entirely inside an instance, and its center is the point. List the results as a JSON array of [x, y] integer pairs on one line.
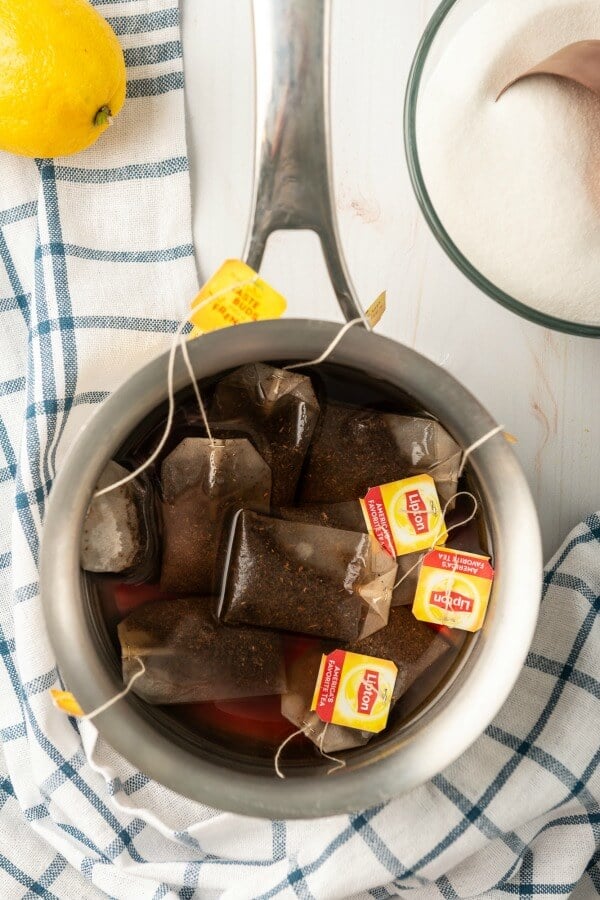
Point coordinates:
[[62, 76]]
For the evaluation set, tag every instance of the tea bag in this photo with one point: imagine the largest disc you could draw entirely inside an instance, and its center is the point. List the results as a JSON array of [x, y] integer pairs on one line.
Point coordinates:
[[278, 410], [191, 658], [296, 702], [412, 646], [305, 578], [349, 516], [203, 482], [120, 529], [355, 449]]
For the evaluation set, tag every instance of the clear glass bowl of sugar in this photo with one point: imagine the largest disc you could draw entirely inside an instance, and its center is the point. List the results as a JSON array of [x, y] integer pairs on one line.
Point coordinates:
[[510, 188]]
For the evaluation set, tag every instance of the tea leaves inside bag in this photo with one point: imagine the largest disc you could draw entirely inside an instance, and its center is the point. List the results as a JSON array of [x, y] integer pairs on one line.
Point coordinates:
[[413, 647], [305, 579], [189, 657], [349, 516], [355, 449], [302, 675], [278, 410], [203, 482], [120, 529]]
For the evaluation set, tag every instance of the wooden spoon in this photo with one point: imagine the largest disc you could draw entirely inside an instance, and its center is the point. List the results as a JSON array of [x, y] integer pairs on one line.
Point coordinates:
[[579, 62]]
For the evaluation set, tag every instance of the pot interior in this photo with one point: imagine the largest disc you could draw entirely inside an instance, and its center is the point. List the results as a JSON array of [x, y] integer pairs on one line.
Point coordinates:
[[217, 734]]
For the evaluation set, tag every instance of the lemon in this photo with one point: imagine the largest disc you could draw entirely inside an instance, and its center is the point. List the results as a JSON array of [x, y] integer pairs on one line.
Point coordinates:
[[62, 76]]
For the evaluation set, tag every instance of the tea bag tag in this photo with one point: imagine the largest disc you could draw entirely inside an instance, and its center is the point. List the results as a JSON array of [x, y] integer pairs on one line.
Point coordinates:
[[454, 588], [405, 516], [66, 702], [240, 296], [375, 312], [354, 690]]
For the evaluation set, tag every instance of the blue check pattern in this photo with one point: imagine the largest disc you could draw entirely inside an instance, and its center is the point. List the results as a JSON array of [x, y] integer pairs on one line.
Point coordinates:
[[96, 267]]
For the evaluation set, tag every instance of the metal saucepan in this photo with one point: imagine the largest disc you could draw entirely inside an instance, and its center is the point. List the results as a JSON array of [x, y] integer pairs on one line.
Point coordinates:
[[293, 190]]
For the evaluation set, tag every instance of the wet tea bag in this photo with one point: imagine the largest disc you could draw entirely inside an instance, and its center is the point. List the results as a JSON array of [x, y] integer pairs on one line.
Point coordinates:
[[349, 516], [302, 676], [413, 647], [203, 482], [355, 449], [307, 579], [191, 658], [120, 533], [278, 410]]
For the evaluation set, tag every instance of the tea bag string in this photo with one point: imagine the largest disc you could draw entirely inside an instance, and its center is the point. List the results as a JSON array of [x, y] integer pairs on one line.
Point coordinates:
[[477, 444], [499, 429], [339, 763], [177, 342], [448, 531], [199, 400], [282, 747], [465, 458], [100, 709], [329, 350], [364, 321]]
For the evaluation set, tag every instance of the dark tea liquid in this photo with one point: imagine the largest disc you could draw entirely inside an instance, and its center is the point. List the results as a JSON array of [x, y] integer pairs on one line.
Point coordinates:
[[250, 730]]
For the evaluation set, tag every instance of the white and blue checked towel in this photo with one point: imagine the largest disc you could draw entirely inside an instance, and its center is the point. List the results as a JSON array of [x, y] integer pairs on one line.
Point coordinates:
[[96, 265]]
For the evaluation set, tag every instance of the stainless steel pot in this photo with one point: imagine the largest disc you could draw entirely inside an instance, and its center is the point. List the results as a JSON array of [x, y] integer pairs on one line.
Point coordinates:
[[293, 190]]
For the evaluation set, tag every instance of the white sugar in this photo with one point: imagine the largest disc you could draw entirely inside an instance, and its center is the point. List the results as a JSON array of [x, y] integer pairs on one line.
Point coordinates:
[[517, 183]]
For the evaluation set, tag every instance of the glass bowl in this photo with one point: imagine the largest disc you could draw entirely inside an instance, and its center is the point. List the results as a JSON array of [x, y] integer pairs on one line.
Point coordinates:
[[445, 22]]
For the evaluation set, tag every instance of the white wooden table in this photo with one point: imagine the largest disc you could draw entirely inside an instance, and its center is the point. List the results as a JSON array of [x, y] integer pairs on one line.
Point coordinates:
[[542, 385]]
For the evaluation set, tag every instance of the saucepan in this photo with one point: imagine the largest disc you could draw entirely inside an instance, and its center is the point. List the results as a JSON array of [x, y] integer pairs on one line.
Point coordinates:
[[293, 191]]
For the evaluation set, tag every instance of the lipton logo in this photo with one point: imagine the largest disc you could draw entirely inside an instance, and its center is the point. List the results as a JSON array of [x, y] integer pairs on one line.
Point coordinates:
[[368, 692], [416, 510], [451, 601]]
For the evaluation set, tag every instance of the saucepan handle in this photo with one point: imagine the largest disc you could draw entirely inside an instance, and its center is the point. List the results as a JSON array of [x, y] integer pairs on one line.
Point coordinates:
[[292, 170]]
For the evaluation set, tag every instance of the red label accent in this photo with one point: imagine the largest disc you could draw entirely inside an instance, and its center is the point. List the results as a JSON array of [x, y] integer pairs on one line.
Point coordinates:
[[465, 563], [367, 692], [417, 512], [380, 524], [451, 601], [330, 682]]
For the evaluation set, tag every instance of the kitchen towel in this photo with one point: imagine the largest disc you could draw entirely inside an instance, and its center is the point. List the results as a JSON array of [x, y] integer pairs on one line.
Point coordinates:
[[96, 267]]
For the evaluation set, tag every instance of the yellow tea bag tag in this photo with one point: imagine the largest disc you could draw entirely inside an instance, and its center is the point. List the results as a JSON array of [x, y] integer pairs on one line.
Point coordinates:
[[66, 702], [376, 310], [405, 516], [354, 690], [240, 296], [453, 589]]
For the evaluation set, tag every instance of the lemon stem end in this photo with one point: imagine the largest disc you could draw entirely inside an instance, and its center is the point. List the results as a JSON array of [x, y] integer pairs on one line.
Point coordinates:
[[103, 116]]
